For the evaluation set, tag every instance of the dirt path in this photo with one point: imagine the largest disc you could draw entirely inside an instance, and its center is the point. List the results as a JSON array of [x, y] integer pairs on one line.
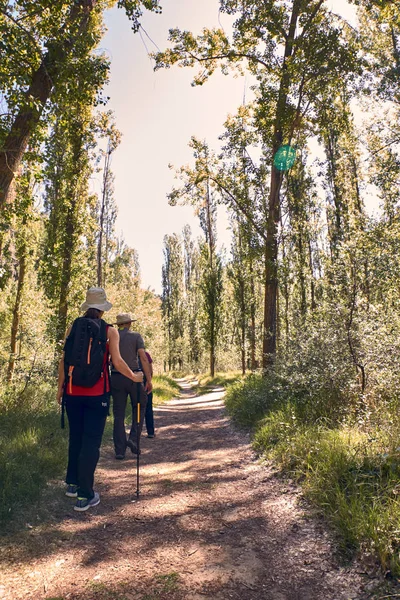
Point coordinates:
[[211, 523]]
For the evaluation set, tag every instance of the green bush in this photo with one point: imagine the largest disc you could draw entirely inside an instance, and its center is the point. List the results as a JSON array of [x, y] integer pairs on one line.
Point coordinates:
[[33, 448], [247, 401], [352, 476]]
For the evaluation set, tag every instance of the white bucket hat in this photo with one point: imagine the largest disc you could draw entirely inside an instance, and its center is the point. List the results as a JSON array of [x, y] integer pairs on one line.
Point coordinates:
[[124, 319], [96, 298]]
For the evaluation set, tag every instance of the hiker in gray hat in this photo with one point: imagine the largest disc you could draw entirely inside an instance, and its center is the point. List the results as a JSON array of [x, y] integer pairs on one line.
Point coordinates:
[[131, 347]]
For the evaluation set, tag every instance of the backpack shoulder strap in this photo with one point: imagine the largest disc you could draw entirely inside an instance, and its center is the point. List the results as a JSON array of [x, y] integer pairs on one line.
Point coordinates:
[[103, 331]]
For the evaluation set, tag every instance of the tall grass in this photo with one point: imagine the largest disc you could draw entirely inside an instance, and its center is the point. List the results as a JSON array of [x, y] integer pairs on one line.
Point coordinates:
[[222, 379], [32, 446], [350, 470], [164, 389]]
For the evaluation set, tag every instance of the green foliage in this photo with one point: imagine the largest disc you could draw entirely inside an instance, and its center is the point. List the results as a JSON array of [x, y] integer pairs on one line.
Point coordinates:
[[247, 401], [33, 448], [164, 389], [350, 470], [352, 476]]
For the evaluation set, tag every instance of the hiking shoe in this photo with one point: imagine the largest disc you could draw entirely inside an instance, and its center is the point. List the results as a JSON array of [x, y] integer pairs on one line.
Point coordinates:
[[72, 490], [120, 456], [132, 445], [151, 435], [84, 503]]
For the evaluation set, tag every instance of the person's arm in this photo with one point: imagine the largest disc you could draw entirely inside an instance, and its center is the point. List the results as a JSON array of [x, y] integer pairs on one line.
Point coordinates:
[[146, 369], [117, 360]]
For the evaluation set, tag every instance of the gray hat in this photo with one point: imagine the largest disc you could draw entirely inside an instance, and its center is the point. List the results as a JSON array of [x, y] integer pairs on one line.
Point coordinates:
[[123, 318], [96, 298]]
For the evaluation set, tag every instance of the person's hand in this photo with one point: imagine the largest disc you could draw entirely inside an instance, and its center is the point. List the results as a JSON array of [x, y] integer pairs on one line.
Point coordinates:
[[138, 377], [149, 387], [59, 396]]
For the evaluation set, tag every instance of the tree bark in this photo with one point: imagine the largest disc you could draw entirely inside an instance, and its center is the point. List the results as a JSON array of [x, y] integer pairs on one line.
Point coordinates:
[[253, 320], [271, 247], [17, 312]]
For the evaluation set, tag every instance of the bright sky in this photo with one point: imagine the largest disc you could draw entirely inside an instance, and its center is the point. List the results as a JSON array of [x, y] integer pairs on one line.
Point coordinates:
[[157, 114]]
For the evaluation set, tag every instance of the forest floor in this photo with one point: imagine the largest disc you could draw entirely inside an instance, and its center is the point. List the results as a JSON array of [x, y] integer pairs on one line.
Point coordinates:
[[211, 523]]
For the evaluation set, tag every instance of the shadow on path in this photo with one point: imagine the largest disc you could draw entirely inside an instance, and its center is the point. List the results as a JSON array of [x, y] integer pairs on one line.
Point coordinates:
[[210, 523]]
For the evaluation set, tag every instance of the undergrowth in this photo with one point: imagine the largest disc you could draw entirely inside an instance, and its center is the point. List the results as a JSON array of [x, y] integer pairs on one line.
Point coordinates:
[[223, 379], [348, 465], [33, 448], [164, 389]]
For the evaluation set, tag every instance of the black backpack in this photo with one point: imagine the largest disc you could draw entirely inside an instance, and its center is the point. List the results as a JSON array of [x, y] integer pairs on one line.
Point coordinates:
[[84, 352]]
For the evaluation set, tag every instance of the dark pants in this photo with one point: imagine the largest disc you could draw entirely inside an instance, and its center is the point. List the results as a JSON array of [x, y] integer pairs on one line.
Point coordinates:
[[121, 388], [87, 417], [149, 414]]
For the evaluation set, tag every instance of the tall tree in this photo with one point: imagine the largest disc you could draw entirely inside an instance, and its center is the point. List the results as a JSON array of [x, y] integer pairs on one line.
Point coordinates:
[[198, 191], [192, 299], [45, 41], [172, 299], [67, 201], [107, 209], [295, 50]]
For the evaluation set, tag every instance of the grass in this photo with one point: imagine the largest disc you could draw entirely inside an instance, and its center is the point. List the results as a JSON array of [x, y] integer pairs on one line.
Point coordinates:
[[351, 473], [159, 587], [164, 389], [223, 379], [33, 448]]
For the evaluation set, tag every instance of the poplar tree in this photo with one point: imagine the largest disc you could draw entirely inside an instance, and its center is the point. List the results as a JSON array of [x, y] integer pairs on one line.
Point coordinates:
[[296, 51], [41, 44]]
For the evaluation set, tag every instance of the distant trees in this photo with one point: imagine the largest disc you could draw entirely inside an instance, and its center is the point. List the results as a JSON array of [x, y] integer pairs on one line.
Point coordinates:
[[299, 223], [296, 56]]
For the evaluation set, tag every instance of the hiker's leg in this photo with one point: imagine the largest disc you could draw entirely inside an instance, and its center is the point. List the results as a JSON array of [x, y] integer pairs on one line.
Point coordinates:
[[74, 411], [119, 395], [94, 420], [149, 414], [133, 394]]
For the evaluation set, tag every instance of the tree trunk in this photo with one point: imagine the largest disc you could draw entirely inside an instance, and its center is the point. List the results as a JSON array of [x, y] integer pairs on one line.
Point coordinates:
[[43, 81], [311, 268], [102, 213], [271, 246], [68, 251], [271, 279], [212, 363], [17, 312], [252, 319], [212, 341], [243, 326]]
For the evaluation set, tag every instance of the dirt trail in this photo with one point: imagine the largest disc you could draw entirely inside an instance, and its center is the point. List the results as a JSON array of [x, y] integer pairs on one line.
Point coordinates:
[[211, 523]]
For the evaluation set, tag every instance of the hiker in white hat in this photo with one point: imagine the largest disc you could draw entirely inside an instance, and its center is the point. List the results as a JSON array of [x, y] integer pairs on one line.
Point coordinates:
[[84, 390], [131, 346]]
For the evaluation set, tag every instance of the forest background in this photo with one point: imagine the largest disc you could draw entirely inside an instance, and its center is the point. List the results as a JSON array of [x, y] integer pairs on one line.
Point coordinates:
[[307, 296]]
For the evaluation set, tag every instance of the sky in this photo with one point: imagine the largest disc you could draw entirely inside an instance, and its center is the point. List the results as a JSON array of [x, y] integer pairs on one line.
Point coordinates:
[[158, 113]]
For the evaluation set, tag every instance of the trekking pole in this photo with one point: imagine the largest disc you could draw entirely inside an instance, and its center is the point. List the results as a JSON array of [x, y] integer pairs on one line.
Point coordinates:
[[137, 438]]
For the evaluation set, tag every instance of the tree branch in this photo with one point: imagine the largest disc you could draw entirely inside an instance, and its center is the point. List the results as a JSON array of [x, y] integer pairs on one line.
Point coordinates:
[[239, 207], [229, 55], [28, 33]]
